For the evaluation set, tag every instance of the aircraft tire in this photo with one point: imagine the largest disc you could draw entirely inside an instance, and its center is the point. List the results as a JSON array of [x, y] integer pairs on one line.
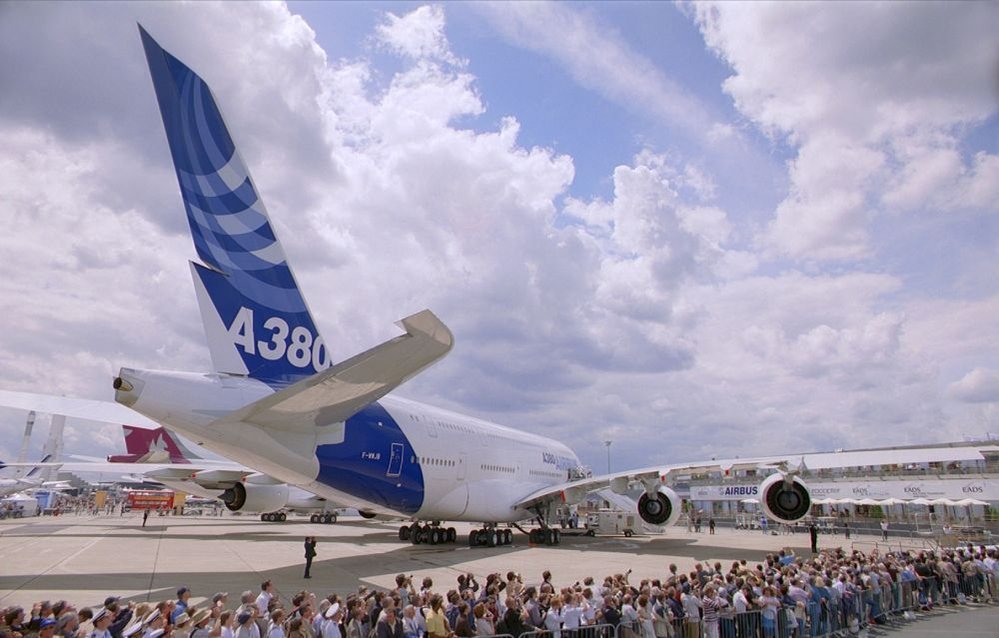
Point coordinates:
[[332, 520], [415, 535], [263, 517], [435, 536], [491, 537], [452, 534], [508, 537], [404, 533], [314, 518], [549, 537], [282, 517], [473, 538]]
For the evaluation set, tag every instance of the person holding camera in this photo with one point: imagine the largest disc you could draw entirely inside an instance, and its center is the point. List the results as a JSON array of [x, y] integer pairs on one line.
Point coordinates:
[[310, 553]]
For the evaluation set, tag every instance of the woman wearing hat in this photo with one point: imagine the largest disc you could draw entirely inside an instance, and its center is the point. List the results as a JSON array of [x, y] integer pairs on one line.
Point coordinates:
[[182, 626], [246, 627], [199, 624], [102, 620]]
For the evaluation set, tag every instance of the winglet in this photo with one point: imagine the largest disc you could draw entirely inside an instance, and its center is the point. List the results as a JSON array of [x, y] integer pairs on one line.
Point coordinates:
[[339, 392]]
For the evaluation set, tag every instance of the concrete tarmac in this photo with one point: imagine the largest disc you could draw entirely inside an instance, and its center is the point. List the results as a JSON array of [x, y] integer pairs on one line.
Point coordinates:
[[84, 559]]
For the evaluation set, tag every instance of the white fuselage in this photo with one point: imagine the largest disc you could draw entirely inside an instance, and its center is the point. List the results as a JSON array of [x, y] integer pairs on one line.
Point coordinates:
[[395, 457]]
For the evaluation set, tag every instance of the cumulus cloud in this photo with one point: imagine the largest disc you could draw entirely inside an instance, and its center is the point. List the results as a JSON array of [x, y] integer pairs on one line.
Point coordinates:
[[875, 98], [981, 385], [419, 34], [648, 316]]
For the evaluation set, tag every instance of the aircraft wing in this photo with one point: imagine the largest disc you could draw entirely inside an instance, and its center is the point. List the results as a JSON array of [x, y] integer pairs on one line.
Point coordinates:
[[574, 491], [341, 391], [90, 409]]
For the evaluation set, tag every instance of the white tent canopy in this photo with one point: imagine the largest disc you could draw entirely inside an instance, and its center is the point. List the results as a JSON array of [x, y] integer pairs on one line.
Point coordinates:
[[967, 502]]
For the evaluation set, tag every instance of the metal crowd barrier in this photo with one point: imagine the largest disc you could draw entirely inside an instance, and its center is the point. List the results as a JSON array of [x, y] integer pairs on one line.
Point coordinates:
[[836, 616]]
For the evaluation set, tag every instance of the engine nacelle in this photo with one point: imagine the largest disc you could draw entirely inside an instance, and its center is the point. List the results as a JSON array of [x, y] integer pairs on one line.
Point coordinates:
[[662, 507], [785, 499], [255, 498]]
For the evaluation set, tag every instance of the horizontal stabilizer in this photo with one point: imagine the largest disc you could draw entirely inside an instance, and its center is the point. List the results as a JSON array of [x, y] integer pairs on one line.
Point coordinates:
[[341, 391], [103, 411]]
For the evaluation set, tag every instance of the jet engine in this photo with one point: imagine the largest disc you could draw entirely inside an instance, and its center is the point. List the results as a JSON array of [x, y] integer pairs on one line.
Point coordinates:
[[785, 497], [254, 497], [660, 507]]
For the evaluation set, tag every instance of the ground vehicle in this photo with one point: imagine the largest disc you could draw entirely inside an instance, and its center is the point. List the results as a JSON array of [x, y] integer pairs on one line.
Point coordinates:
[[612, 522]]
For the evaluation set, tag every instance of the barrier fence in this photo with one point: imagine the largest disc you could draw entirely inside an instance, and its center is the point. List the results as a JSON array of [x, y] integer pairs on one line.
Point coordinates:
[[842, 616]]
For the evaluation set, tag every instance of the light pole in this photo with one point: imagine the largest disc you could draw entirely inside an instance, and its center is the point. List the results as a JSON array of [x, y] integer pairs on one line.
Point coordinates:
[[608, 444]]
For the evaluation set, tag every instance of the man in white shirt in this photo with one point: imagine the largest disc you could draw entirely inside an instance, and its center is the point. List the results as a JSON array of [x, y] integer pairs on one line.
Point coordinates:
[[572, 613], [264, 599], [554, 617]]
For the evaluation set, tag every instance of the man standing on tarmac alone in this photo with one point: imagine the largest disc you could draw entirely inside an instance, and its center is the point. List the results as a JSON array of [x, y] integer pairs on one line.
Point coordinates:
[[813, 534], [145, 515], [310, 553], [884, 530]]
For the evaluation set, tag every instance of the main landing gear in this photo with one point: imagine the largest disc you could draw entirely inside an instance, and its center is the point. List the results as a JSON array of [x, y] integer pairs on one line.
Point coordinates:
[[490, 537], [427, 534], [274, 517], [545, 536], [326, 518]]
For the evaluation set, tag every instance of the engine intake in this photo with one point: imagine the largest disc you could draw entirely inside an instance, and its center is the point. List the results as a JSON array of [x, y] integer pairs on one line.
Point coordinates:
[[255, 498], [785, 499], [662, 507]]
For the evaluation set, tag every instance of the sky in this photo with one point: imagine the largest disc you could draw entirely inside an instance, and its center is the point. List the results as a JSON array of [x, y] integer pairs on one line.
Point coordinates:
[[693, 230]]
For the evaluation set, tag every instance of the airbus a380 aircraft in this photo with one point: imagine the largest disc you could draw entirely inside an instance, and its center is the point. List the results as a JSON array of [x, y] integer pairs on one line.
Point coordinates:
[[276, 403]]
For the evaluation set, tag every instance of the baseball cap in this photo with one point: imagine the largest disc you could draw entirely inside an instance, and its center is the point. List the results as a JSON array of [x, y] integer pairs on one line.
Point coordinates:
[[46, 623]]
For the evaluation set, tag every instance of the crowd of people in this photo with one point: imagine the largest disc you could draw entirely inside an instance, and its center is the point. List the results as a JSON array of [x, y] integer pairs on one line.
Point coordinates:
[[782, 597]]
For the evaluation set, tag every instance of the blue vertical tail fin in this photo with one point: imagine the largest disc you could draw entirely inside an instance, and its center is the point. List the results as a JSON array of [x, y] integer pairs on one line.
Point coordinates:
[[255, 318]]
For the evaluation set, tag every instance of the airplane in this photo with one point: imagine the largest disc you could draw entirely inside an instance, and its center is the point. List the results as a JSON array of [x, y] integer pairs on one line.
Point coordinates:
[[209, 478], [275, 401], [31, 476], [143, 445]]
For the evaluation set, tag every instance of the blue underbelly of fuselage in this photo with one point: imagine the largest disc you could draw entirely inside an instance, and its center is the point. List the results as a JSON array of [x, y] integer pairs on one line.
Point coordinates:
[[375, 462]]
